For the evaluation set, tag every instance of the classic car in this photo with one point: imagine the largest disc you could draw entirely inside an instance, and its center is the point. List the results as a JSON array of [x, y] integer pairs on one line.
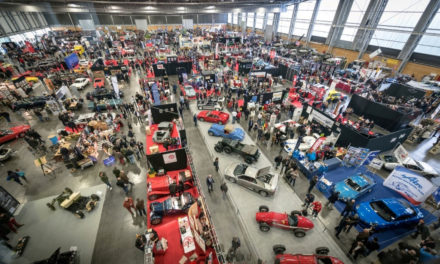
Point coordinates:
[[102, 93], [293, 221], [211, 104], [307, 142], [99, 83], [213, 116], [163, 132], [162, 186], [388, 213], [29, 103], [249, 153], [189, 91], [13, 133], [171, 206], [80, 83], [74, 202], [263, 181], [354, 186], [226, 132], [390, 163], [320, 257], [84, 63]]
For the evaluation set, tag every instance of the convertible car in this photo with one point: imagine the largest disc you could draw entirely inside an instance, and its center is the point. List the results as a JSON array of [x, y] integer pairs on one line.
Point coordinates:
[[13, 133], [295, 221], [99, 83], [263, 181], [388, 213], [320, 257], [218, 117], [171, 206], [226, 132], [162, 186], [163, 132], [250, 153], [354, 186]]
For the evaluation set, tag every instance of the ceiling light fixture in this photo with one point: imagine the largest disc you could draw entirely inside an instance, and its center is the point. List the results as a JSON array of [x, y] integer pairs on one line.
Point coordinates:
[[73, 5], [181, 8], [210, 7]]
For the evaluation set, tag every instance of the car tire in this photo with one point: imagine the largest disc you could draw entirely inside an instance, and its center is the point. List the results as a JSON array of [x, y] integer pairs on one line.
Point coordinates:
[[51, 206], [278, 249], [79, 214], [263, 209], [322, 251], [67, 189], [263, 193], [156, 220], [299, 233], [231, 179], [210, 133], [202, 119], [94, 197], [227, 150], [153, 197], [218, 149], [264, 227], [248, 160]]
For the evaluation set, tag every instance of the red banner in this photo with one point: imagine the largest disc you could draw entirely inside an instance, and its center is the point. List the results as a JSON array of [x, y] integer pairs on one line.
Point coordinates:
[[317, 144]]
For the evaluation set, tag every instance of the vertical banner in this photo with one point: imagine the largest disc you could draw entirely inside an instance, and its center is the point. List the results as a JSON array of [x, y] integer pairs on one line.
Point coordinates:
[[115, 86], [216, 50]]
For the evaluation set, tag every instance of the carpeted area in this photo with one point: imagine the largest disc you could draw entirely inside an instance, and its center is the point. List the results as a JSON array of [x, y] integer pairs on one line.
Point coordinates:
[[149, 139], [49, 229]]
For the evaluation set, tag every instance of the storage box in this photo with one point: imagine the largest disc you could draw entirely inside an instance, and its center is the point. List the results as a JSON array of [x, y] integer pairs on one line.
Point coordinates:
[[154, 149], [148, 130]]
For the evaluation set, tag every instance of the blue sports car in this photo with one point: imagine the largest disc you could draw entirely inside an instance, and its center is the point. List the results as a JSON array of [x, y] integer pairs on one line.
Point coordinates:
[[354, 186], [388, 213], [171, 206], [226, 132]]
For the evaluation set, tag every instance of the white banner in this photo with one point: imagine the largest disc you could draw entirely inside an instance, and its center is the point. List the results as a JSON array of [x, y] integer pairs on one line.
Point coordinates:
[[376, 164], [169, 157], [414, 187], [322, 119], [375, 53], [115, 86]]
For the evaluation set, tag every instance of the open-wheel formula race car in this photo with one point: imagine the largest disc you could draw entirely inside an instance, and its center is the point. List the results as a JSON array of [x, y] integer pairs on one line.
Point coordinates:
[[162, 186], [295, 221], [74, 202], [320, 257], [171, 206]]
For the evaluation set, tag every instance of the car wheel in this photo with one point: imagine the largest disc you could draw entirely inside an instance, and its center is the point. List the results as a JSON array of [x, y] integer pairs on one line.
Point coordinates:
[[263, 208], [67, 189], [299, 233], [51, 206], [248, 160], [233, 180], [218, 149], [210, 133], [153, 197], [228, 150], [202, 119], [279, 249], [79, 214], [94, 197], [322, 251], [264, 227], [263, 193], [156, 220]]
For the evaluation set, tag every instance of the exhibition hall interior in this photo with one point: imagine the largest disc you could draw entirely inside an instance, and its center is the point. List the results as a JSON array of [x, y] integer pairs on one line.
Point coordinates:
[[220, 131]]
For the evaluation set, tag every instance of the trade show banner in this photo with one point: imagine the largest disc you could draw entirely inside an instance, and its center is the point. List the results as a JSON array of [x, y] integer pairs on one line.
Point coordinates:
[[169, 157], [115, 86], [317, 144], [414, 187]]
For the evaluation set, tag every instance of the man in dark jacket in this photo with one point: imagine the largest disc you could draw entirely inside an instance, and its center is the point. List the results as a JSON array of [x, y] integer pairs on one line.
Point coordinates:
[[421, 229], [332, 200], [349, 207]]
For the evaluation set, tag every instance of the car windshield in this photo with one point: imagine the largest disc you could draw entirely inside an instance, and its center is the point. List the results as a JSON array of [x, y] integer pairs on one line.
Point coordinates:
[[240, 169], [353, 185], [78, 81], [383, 211]]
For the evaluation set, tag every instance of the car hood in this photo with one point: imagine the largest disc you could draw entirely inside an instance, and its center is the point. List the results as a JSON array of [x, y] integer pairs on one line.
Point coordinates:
[[345, 192], [19, 129], [368, 215], [250, 149], [428, 168], [229, 171]]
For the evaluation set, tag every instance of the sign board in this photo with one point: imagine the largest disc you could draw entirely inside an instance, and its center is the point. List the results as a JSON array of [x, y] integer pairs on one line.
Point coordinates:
[[317, 144], [141, 24], [376, 164], [401, 153], [322, 119], [355, 156], [169, 157], [414, 187]]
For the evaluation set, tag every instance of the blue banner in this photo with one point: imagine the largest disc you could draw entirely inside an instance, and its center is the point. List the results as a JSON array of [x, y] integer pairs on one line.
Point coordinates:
[[72, 60]]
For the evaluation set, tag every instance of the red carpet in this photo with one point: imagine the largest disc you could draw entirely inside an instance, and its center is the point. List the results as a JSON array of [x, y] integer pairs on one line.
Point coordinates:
[[149, 141]]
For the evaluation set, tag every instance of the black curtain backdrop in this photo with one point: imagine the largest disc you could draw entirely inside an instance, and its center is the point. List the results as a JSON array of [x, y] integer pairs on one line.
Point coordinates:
[[162, 113], [401, 90], [157, 161], [171, 68]]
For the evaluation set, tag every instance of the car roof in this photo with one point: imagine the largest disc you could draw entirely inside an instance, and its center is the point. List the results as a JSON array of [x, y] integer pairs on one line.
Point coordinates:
[[361, 180], [398, 206]]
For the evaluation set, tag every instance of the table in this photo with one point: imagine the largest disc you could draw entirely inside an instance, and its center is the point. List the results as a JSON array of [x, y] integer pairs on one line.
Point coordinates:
[[62, 145]]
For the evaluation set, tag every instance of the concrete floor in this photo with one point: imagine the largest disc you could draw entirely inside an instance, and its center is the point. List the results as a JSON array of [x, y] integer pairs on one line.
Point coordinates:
[[116, 233]]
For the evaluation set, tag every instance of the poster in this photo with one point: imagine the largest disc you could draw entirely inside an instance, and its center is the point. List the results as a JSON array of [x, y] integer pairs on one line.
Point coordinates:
[[277, 96], [401, 153], [169, 157]]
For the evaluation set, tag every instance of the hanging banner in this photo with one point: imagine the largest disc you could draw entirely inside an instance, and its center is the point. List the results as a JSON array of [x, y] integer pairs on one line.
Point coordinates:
[[414, 187], [317, 144], [115, 86], [169, 157]]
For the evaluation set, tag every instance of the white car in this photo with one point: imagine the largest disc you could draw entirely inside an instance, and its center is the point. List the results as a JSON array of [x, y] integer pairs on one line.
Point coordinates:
[[417, 166], [84, 63], [263, 181], [80, 83], [307, 142], [189, 91]]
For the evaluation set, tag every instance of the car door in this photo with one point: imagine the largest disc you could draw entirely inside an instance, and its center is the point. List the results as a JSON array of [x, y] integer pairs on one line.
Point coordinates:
[[208, 117], [214, 118], [247, 182]]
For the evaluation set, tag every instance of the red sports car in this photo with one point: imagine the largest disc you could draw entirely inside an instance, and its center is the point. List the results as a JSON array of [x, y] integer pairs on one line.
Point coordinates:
[[319, 258], [163, 186], [214, 116], [98, 83], [295, 221], [13, 133]]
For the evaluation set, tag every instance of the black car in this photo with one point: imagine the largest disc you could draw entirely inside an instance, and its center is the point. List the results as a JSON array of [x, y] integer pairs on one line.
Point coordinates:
[[103, 93], [29, 103], [249, 153]]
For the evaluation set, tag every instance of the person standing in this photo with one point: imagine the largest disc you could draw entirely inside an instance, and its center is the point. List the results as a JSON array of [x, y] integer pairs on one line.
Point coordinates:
[[105, 179], [421, 229], [316, 208], [308, 200], [140, 207], [278, 159], [195, 119], [250, 124], [332, 200], [210, 183], [216, 164], [371, 245], [10, 221], [342, 224], [14, 176], [224, 189], [21, 175], [351, 221], [128, 204], [291, 175], [312, 184], [121, 184], [234, 116], [349, 207]]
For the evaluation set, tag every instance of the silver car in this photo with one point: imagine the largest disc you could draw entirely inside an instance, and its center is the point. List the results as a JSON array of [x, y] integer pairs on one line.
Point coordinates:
[[263, 181], [163, 132]]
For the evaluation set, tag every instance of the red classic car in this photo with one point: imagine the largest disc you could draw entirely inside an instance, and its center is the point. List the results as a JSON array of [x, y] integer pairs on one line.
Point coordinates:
[[319, 258], [214, 116], [163, 186], [295, 221], [13, 133], [98, 83]]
